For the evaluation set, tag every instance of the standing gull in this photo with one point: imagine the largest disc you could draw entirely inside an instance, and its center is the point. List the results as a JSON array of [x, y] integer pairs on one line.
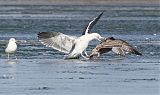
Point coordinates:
[[71, 45], [118, 46], [11, 47]]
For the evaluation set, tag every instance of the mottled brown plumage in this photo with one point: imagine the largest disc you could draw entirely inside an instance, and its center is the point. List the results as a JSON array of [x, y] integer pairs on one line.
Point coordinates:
[[118, 46]]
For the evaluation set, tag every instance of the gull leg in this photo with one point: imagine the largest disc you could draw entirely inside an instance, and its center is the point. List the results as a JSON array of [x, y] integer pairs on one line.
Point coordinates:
[[8, 56], [15, 57], [98, 54], [86, 53], [84, 56]]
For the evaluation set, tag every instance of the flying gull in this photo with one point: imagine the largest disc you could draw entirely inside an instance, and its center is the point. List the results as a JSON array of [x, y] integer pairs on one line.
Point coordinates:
[[118, 46], [71, 45], [11, 47]]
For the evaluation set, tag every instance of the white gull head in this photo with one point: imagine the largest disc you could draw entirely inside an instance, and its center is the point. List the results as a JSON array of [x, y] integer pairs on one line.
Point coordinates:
[[12, 40], [97, 37]]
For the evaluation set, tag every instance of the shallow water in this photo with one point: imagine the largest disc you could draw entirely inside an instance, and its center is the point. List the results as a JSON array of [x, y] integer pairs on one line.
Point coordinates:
[[58, 76], [41, 70]]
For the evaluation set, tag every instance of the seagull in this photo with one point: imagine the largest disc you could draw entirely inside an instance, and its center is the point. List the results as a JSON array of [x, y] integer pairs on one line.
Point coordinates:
[[117, 46], [11, 47], [71, 45]]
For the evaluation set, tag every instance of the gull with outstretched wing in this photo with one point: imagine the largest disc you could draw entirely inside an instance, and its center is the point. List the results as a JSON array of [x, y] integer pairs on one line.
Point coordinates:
[[71, 45], [117, 46]]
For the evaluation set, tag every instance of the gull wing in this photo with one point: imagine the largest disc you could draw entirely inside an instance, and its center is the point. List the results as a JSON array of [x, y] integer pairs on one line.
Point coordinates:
[[117, 46], [57, 41], [91, 24], [121, 47], [118, 51], [130, 49]]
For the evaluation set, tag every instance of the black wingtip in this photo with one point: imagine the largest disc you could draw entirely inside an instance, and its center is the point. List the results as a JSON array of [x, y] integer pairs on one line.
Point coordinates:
[[137, 53], [102, 13], [99, 16], [42, 35]]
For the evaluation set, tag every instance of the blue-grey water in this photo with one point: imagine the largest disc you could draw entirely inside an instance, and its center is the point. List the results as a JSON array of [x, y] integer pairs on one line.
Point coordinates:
[[43, 71]]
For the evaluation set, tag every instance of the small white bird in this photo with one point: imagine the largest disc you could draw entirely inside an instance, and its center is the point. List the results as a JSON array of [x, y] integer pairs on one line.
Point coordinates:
[[11, 47]]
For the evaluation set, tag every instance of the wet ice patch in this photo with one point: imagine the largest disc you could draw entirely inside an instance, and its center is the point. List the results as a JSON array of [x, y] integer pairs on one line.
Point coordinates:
[[6, 77]]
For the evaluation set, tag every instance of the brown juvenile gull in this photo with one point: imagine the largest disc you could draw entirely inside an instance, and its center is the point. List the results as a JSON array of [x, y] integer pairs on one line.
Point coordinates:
[[117, 46]]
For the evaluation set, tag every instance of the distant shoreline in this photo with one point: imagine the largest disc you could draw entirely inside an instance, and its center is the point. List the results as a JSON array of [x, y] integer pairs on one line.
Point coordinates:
[[81, 2], [80, 5]]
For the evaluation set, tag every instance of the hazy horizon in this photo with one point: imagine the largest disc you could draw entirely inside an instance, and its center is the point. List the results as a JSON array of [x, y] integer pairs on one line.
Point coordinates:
[[81, 2]]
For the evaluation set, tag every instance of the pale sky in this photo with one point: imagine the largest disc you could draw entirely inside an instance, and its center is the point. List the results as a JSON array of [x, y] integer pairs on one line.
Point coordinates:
[[54, 2]]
